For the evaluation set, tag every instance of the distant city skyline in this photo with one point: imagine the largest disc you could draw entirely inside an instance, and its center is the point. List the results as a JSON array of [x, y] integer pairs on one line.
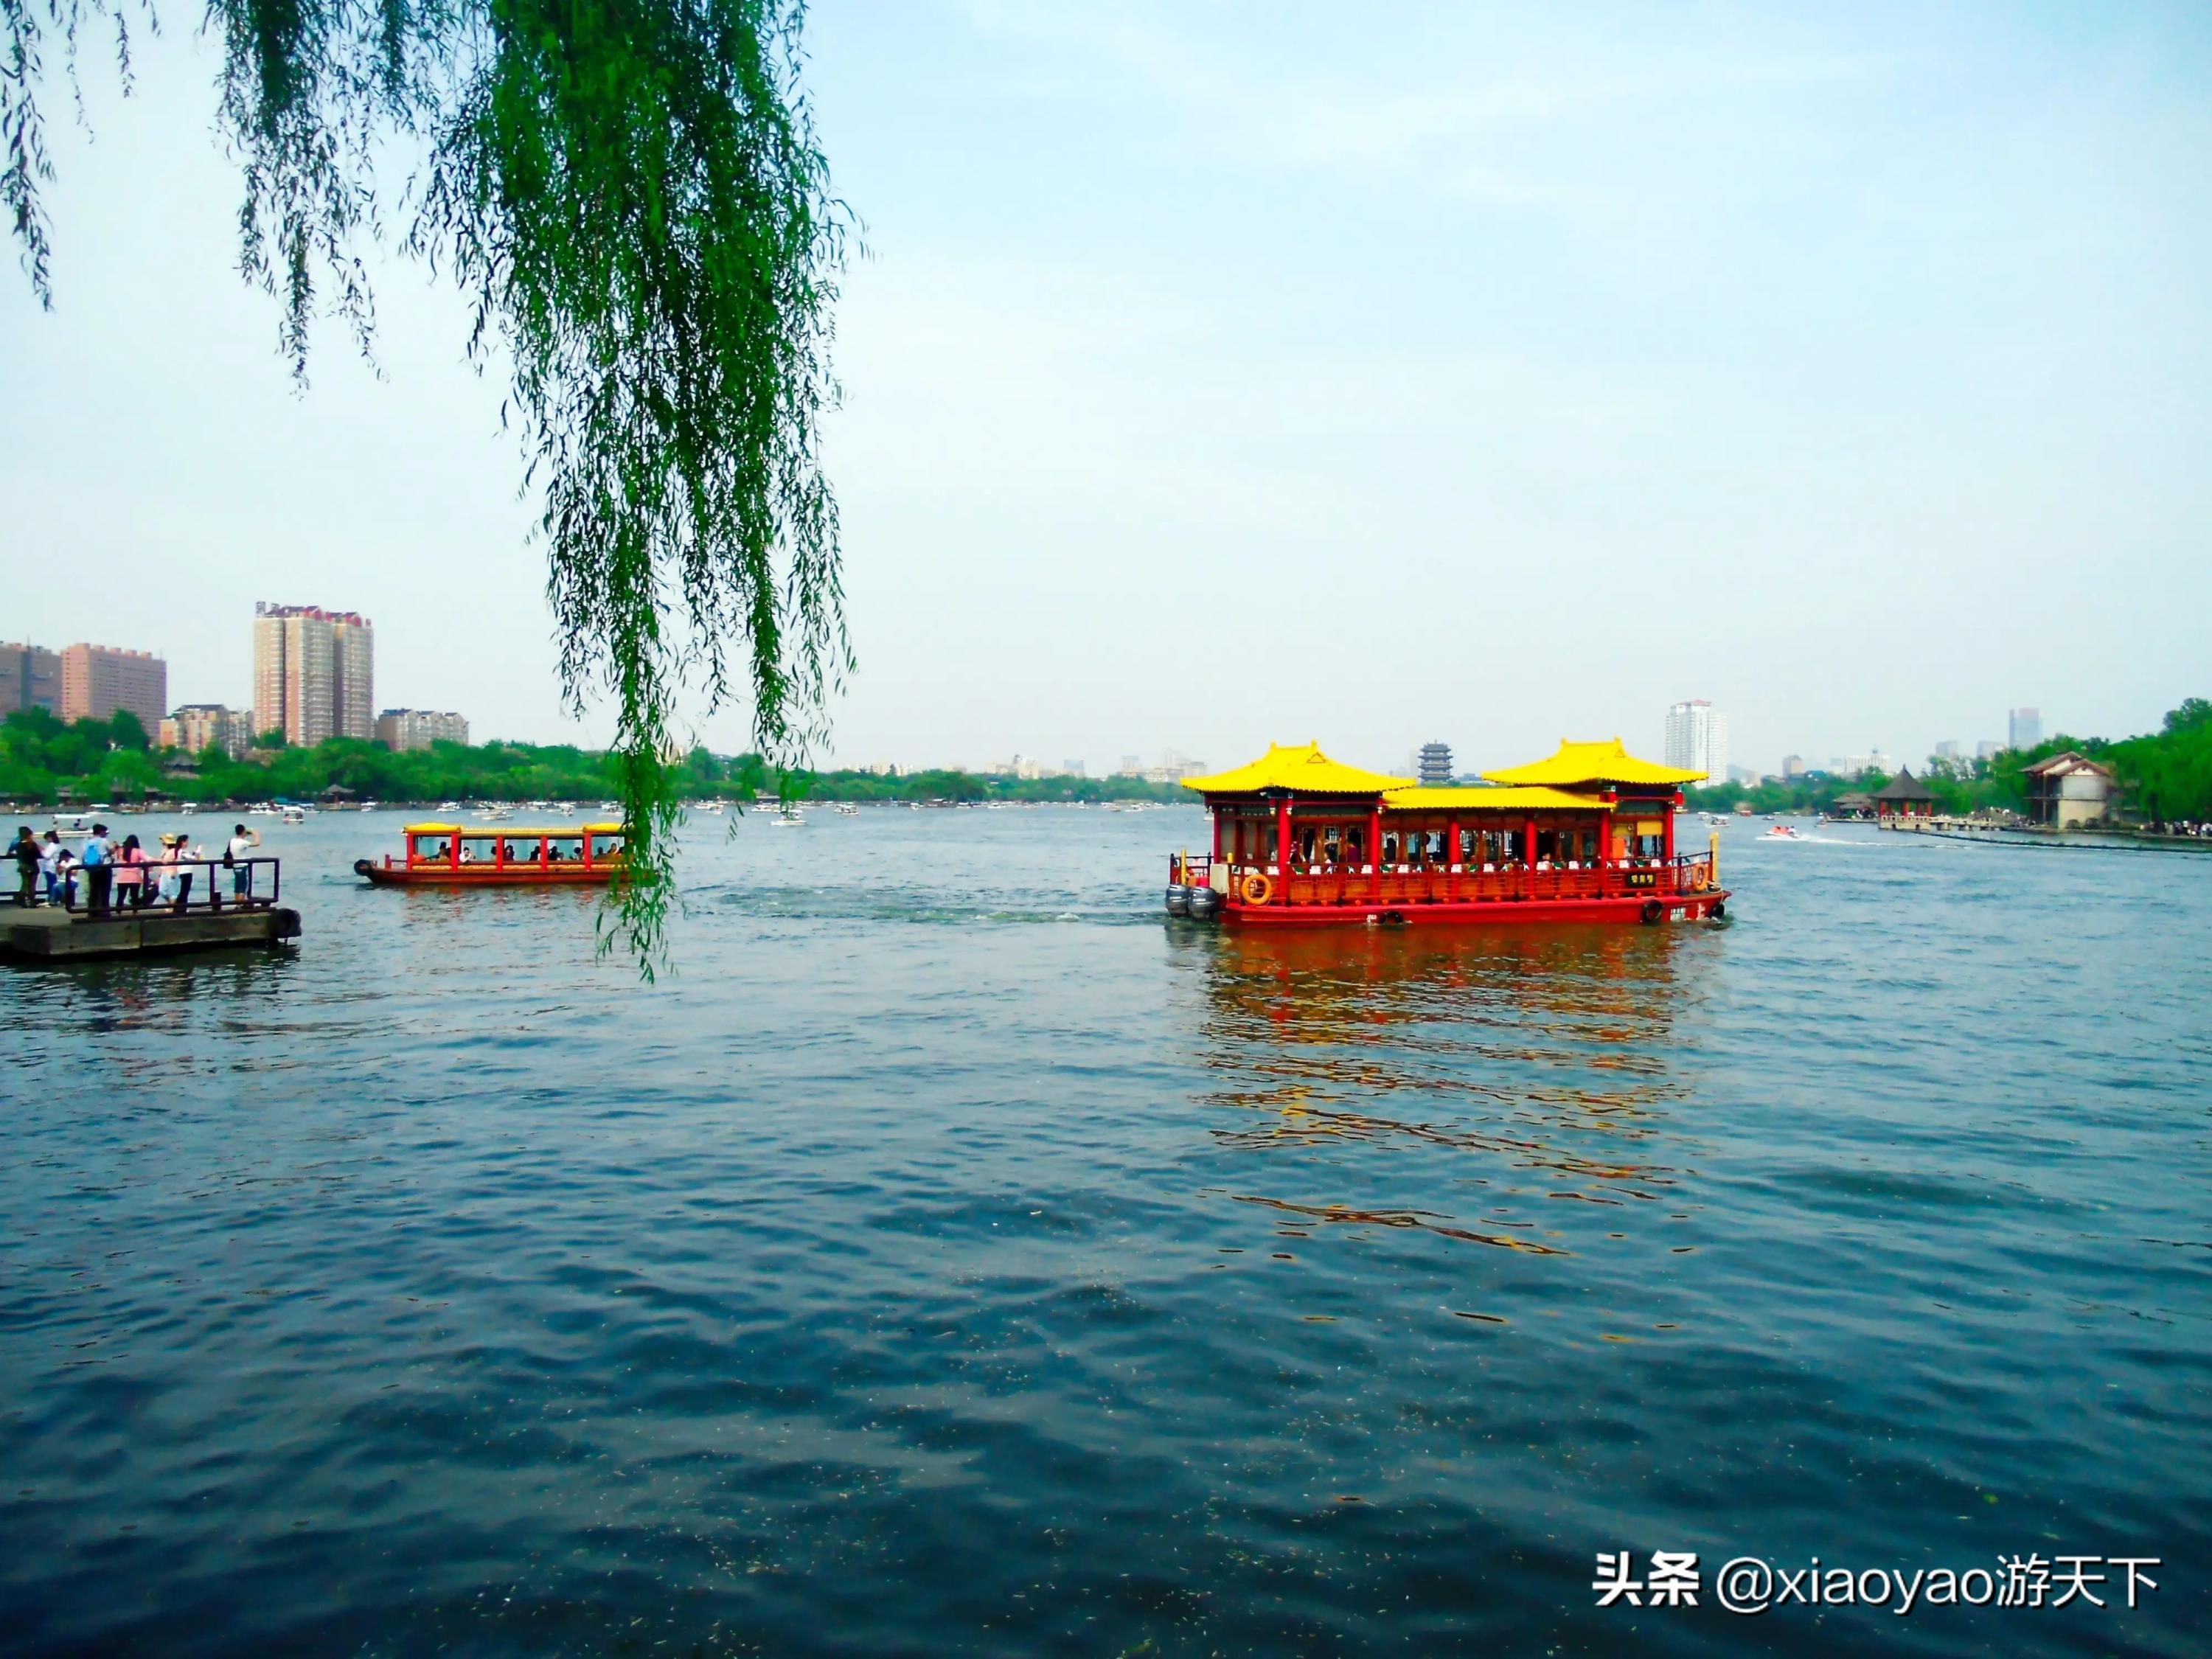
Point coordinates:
[[19, 661]]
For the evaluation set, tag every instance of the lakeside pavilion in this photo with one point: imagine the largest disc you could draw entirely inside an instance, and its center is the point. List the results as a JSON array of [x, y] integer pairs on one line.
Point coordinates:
[[1904, 800]]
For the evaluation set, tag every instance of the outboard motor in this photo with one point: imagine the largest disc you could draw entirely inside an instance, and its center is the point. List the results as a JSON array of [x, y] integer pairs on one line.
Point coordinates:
[[1178, 901], [1205, 904]]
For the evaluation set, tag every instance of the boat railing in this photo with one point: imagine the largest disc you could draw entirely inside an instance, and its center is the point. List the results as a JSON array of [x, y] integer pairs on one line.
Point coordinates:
[[1189, 869], [247, 884], [1436, 884]]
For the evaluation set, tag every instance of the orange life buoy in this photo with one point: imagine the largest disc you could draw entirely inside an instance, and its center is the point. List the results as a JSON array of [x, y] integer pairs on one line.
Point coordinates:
[[1255, 889]]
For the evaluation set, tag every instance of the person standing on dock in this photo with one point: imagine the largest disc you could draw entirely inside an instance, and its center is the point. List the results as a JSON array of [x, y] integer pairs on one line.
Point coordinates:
[[99, 873], [131, 874], [27, 866], [53, 865], [239, 855]]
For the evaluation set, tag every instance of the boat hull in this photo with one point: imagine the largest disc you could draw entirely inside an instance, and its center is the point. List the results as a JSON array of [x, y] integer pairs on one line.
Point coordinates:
[[379, 875], [1622, 907]]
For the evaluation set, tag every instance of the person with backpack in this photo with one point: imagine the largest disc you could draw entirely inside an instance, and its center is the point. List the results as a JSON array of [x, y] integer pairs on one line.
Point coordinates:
[[99, 872], [237, 858]]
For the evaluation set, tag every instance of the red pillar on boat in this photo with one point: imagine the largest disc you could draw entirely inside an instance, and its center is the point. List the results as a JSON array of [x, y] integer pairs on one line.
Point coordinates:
[[1666, 830], [1283, 845], [1528, 856], [1375, 847], [1451, 860]]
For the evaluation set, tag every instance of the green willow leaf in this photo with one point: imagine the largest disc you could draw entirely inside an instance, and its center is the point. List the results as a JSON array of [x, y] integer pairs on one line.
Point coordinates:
[[632, 194]]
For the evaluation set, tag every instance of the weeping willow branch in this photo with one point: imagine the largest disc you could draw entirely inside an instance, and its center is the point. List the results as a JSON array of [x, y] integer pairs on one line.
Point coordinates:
[[632, 195]]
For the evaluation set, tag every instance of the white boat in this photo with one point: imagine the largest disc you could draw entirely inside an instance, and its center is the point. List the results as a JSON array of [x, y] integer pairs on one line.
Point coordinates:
[[790, 819], [186, 809], [294, 815], [847, 809], [75, 824]]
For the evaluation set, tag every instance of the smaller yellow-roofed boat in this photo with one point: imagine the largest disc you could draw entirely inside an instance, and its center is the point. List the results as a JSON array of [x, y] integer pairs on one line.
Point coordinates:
[[451, 855]]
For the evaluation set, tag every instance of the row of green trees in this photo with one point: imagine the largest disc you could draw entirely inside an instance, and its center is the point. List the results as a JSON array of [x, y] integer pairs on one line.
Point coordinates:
[[45, 761], [2166, 775]]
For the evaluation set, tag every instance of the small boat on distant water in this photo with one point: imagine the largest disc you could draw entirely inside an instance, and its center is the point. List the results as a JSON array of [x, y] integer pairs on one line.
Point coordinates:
[[449, 855], [1782, 832]]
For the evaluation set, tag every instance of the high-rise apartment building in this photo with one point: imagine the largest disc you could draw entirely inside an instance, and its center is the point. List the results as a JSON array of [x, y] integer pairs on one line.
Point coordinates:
[[99, 682], [1793, 766], [1436, 763], [1697, 738], [194, 726], [2024, 728], [314, 673], [30, 678], [402, 729]]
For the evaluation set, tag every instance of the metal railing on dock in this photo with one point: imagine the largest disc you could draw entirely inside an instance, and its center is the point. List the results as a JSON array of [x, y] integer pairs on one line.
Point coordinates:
[[186, 887]]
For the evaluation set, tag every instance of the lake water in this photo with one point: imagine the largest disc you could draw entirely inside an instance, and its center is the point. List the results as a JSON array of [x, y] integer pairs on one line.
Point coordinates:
[[954, 1256]]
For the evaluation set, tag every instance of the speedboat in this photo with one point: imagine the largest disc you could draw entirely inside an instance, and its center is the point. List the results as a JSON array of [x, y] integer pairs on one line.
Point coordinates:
[[790, 819], [1782, 832]]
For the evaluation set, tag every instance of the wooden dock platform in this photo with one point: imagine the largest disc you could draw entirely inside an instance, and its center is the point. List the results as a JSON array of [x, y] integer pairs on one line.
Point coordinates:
[[46, 933]]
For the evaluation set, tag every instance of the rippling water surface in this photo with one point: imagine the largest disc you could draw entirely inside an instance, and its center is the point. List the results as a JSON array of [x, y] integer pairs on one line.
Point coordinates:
[[953, 1256]]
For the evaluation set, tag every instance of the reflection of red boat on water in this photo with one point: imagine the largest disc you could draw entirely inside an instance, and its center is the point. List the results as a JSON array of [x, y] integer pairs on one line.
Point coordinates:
[[448, 855], [1586, 835]]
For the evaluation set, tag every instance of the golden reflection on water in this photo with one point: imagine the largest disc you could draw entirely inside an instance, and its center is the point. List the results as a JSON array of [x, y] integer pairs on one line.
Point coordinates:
[[1533, 1062]]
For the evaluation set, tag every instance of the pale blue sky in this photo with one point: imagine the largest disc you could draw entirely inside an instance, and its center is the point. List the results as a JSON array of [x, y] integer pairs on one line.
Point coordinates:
[[1234, 373]]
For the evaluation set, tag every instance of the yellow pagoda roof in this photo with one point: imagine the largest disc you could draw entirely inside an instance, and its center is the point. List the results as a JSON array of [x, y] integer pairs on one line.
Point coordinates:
[[1301, 768], [1593, 762], [1466, 798]]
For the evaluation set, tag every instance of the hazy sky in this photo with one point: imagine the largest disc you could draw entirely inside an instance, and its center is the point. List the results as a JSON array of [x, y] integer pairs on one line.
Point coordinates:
[[1224, 374]]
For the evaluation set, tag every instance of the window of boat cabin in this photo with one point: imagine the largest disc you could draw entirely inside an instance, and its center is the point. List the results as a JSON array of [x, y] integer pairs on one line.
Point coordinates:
[[606, 844], [564, 849], [431, 849], [515, 850]]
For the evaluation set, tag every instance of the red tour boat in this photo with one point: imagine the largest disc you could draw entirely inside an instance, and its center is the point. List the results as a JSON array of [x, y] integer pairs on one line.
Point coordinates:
[[1586, 835], [448, 855]]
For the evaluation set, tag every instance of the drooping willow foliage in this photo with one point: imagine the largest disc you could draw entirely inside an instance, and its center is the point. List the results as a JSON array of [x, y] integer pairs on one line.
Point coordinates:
[[631, 193]]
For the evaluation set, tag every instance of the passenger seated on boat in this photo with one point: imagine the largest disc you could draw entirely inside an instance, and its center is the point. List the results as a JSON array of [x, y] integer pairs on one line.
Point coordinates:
[[468, 854]]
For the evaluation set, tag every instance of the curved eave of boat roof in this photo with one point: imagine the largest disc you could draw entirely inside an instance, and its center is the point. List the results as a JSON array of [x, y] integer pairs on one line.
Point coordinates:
[[1298, 769], [1468, 799], [1587, 763]]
